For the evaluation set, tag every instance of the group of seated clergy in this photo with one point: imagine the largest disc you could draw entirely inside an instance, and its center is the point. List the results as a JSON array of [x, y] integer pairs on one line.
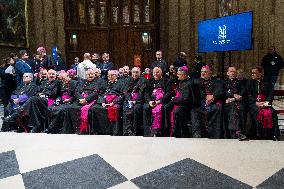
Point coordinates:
[[177, 106]]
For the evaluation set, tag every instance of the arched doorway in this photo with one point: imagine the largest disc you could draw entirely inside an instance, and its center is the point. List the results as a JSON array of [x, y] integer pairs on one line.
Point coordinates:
[[127, 29]]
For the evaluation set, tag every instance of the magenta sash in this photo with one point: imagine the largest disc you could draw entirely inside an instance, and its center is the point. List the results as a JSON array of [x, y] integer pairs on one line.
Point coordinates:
[[84, 114], [50, 101], [147, 75], [264, 116], [134, 96], [260, 98], [178, 94], [112, 111], [157, 110], [110, 98], [65, 96], [84, 117]]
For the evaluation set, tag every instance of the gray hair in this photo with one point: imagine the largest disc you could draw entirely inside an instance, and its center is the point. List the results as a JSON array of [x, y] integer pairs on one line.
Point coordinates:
[[29, 75], [97, 70]]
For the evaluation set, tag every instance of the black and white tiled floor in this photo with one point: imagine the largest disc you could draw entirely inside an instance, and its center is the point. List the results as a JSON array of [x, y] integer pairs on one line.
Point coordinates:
[[72, 161]]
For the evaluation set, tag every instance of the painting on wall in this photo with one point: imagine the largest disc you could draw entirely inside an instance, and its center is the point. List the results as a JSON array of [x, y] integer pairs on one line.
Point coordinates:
[[14, 23]]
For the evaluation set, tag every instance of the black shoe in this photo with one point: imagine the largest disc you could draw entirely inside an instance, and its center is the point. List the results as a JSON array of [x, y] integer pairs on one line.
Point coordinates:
[[276, 138], [33, 131], [47, 131], [7, 119], [242, 137], [196, 135], [10, 118]]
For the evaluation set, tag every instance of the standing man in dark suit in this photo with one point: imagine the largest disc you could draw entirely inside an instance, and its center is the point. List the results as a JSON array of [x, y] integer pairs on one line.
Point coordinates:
[[160, 62], [105, 66], [271, 64], [22, 67]]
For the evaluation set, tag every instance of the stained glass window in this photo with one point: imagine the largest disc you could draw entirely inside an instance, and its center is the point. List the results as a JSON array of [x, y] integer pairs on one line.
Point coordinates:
[[147, 11], [92, 12], [136, 11], [115, 11], [103, 9], [81, 6], [125, 12]]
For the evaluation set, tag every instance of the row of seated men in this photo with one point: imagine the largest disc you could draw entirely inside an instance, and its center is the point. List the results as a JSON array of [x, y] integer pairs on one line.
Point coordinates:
[[148, 107]]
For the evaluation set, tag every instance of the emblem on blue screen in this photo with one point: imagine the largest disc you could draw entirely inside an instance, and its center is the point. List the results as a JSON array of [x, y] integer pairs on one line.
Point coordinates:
[[222, 36]]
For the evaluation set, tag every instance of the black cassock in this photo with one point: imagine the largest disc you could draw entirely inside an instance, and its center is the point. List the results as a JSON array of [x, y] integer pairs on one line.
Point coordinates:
[[36, 107], [153, 117], [76, 117], [56, 112], [132, 107], [177, 111], [234, 110], [22, 93], [207, 120], [106, 120], [264, 120]]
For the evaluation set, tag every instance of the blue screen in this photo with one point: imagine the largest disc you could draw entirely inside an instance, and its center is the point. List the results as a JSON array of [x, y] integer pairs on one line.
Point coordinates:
[[228, 33]]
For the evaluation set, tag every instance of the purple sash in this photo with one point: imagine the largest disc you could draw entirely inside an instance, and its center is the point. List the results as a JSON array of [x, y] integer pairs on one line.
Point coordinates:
[[65, 96], [50, 101], [112, 111], [84, 115], [264, 116], [134, 96], [110, 98], [178, 94], [157, 110]]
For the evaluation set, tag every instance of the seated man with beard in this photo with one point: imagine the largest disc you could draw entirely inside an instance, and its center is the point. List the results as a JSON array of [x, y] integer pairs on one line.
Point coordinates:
[[132, 107], [157, 93], [105, 116], [76, 117], [18, 98], [178, 109]]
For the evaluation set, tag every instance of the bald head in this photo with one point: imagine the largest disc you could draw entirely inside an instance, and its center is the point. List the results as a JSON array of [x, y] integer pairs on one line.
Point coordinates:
[[87, 56], [51, 74]]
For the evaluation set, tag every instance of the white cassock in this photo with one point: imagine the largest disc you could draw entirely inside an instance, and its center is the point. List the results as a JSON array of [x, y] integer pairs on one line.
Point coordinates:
[[83, 67]]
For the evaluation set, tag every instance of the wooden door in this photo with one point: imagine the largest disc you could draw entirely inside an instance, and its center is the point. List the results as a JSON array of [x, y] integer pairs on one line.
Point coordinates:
[[124, 28]]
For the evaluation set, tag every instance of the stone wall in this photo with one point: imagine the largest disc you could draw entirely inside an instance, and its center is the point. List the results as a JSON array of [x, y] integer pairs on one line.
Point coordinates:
[[178, 28], [179, 18], [46, 26]]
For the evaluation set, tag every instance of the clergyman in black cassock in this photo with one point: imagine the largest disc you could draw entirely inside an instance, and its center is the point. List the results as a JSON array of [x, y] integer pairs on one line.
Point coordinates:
[[157, 94], [77, 118], [56, 112], [234, 106], [106, 114], [177, 111], [263, 116], [132, 107], [36, 107], [207, 117], [17, 100]]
